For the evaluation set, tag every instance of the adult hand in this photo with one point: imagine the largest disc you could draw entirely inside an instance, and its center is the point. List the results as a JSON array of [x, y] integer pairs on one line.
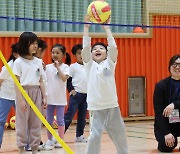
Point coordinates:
[[168, 110], [169, 140]]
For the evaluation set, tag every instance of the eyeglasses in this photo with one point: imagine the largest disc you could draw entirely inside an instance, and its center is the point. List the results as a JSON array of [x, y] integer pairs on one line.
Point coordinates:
[[175, 65]]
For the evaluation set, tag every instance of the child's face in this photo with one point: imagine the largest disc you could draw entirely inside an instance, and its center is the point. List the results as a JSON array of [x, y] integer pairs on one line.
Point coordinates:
[[40, 53], [57, 54], [33, 47], [78, 56], [99, 53]]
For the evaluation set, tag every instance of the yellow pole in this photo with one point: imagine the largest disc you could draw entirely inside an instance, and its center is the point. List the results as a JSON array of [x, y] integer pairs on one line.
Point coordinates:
[[35, 109]]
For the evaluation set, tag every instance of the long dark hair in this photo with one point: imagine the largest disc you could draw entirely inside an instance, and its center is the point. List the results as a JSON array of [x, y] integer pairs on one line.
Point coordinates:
[[26, 38], [63, 50], [14, 49]]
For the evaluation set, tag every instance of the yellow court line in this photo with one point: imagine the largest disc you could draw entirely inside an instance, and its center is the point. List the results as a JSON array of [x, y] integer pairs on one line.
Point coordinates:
[[35, 109]]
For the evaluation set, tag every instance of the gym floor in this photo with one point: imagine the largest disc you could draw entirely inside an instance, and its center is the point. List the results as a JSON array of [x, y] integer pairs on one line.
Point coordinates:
[[140, 139]]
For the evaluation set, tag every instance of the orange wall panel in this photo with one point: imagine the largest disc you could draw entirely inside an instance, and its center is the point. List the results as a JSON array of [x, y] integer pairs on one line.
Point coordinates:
[[147, 57]]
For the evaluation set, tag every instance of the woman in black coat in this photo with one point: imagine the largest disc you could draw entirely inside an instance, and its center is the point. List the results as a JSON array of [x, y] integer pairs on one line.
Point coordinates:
[[167, 106]]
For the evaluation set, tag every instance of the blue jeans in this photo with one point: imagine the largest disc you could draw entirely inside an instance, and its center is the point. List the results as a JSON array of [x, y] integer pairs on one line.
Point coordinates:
[[5, 106], [77, 102]]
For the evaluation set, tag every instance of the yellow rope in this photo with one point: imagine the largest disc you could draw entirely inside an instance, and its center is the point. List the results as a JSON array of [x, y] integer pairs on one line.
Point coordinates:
[[35, 109]]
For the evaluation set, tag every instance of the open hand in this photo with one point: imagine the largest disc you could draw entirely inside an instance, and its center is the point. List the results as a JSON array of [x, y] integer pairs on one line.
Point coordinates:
[[169, 140]]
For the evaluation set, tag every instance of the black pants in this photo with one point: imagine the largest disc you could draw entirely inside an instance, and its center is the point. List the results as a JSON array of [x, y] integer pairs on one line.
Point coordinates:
[[77, 102], [175, 131]]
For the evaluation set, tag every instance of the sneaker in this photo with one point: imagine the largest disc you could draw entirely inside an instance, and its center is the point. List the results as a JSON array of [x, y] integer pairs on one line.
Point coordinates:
[[41, 147], [49, 145], [81, 139], [54, 140], [56, 143], [28, 148]]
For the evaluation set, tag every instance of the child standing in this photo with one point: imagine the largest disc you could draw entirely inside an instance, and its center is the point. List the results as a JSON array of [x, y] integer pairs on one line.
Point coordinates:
[[28, 70], [7, 92], [100, 62], [57, 75], [42, 46], [77, 87], [40, 54]]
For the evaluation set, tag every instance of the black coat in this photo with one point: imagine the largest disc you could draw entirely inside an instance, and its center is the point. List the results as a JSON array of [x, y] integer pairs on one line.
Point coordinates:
[[161, 99]]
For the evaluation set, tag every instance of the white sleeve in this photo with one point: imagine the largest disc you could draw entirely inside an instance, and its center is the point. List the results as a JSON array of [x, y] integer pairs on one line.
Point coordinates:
[[86, 51], [71, 70], [4, 73], [66, 70], [17, 68], [112, 49], [41, 69]]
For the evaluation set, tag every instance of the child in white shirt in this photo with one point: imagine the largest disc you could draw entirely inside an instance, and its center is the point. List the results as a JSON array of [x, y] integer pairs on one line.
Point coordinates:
[[28, 70], [57, 75], [77, 87], [100, 62]]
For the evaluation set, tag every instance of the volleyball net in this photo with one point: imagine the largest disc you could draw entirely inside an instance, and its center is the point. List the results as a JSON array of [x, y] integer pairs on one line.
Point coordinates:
[[68, 15]]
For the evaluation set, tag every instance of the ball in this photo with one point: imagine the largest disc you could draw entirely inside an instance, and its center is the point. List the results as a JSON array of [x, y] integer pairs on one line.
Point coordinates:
[[99, 11], [12, 122], [55, 125]]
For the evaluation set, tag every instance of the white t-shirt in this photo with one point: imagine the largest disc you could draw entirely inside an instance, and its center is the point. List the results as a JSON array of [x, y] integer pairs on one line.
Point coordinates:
[[44, 77], [101, 87], [78, 74], [29, 71], [7, 90], [56, 87]]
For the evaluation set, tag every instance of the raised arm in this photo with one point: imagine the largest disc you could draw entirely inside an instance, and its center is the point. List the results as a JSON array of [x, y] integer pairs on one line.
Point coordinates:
[[86, 51], [112, 47]]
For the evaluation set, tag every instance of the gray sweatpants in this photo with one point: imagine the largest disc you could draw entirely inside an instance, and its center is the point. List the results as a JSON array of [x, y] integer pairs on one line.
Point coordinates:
[[112, 122], [28, 121]]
